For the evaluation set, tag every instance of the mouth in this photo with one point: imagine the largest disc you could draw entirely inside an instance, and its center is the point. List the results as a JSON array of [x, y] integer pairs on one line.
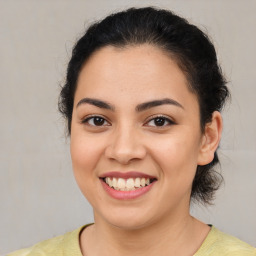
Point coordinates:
[[127, 184]]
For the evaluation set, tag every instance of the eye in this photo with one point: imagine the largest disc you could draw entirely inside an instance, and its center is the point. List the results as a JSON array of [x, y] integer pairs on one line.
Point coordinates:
[[96, 121], [159, 121]]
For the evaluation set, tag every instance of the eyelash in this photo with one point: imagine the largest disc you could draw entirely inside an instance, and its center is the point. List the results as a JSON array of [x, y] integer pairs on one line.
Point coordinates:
[[152, 119], [163, 118], [88, 119]]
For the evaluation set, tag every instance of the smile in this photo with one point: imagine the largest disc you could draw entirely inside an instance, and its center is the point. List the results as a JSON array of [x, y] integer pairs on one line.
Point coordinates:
[[129, 184]]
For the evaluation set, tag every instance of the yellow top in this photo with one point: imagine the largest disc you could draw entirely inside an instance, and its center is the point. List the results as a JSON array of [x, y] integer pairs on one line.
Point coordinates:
[[216, 243]]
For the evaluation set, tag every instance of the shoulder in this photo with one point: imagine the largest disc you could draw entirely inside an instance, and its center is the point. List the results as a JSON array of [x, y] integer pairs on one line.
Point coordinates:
[[67, 244], [219, 243]]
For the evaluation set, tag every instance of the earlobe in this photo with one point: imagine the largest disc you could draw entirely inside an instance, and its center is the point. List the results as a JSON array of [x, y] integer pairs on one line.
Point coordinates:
[[210, 139]]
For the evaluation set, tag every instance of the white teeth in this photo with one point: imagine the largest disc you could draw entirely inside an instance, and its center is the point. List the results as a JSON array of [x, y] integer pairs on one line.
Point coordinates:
[[137, 182], [127, 184], [114, 182], [121, 183], [130, 183], [109, 181]]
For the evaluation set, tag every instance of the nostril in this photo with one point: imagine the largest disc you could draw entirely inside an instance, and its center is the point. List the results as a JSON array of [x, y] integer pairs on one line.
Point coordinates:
[[125, 155]]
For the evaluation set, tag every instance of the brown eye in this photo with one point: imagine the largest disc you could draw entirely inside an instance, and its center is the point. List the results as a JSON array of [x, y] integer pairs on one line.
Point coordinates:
[[98, 121], [95, 121], [159, 121]]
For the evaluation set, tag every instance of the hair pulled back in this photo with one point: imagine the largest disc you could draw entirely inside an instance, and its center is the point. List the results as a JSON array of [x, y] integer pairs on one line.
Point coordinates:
[[184, 43]]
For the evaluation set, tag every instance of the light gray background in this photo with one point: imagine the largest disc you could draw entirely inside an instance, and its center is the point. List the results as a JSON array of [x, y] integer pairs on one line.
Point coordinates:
[[39, 198]]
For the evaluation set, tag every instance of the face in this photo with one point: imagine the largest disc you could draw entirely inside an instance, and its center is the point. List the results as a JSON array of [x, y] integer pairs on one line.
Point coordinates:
[[135, 136]]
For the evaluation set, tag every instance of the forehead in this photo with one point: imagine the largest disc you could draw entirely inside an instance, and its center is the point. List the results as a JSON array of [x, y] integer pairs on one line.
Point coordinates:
[[143, 70]]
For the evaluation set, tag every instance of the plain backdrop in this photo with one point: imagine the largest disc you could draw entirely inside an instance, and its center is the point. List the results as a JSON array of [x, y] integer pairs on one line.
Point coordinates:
[[39, 198]]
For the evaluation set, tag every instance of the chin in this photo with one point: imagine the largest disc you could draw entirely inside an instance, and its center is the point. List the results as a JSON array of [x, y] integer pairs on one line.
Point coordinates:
[[126, 219], [129, 224]]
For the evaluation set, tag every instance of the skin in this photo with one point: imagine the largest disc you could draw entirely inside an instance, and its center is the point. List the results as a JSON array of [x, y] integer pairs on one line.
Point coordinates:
[[129, 140]]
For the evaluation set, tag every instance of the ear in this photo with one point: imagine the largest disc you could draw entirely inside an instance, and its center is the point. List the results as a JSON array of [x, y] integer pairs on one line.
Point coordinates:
[[210, 139]]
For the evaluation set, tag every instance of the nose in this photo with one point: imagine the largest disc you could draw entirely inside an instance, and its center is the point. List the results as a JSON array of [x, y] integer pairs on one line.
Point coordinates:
[[126, 145]]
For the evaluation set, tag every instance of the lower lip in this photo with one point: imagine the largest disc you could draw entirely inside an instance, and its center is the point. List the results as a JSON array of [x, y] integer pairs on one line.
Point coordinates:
[[125, 195]]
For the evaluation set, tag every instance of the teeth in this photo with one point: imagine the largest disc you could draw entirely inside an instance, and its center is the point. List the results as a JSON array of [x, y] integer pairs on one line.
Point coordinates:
[[137, 182], [130, 183], [109, 181], [121, 183], [114, 182], [127, 184]]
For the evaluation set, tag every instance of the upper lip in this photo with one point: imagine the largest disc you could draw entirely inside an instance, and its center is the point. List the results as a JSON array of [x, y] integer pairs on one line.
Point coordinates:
[[126, 175]]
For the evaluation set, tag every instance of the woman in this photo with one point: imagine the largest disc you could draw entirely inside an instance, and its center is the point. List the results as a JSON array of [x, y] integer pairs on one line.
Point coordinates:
[[142, 100]]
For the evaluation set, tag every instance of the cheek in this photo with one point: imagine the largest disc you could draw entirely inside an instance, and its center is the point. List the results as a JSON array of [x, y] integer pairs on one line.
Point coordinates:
[[85, 150], [177, 157], [85, 154]]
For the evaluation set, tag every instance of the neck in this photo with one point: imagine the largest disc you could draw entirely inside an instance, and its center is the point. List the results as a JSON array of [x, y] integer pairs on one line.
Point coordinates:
[[168, 237]]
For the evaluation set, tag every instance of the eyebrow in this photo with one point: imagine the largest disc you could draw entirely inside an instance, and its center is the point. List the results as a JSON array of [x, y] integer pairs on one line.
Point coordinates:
[[155, 103], [96, 102], [139, 108]]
